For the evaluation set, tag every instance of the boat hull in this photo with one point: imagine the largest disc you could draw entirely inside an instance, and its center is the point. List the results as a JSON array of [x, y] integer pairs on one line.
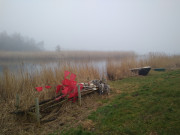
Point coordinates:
[[141, 71]]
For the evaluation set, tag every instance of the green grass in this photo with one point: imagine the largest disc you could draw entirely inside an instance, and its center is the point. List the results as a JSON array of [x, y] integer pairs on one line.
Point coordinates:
[[78, 131], [148, 105]]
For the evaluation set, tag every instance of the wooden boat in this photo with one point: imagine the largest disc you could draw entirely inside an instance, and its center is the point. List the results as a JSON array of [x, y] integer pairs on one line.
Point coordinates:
[[141, 71]]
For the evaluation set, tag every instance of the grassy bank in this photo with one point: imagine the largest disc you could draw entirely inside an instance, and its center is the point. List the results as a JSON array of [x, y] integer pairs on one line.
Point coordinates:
[[142, 106]]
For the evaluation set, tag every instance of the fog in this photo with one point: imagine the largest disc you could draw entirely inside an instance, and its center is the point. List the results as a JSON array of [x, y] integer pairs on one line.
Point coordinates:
[[138, 25], [16, 42]]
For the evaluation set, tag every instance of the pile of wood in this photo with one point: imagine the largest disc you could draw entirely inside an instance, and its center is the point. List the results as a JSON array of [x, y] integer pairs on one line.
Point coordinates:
[[42, 109]]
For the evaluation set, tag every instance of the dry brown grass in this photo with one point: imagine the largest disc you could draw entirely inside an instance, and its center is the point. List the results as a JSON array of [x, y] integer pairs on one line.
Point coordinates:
[[62, 55], [118, 69], [69, 115], [161, 60], [24, 83]]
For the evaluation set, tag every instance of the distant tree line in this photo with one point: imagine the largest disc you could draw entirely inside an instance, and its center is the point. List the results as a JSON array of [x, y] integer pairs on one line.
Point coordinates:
[[16, 42]]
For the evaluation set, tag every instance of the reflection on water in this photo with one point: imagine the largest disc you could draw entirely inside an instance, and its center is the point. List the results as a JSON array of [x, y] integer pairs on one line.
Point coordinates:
[[30, 67]]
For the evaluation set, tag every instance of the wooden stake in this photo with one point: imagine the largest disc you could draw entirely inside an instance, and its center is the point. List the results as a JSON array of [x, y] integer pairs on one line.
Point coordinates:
[[37, 111], [17, 101], [79, 95], [103, 80]]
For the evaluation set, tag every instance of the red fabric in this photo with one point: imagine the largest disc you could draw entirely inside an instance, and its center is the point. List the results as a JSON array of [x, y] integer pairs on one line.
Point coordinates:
[[66, 82], [66, 73], [39, 89], [73, 95], [65, 91], [47, 87], [74, 92], [72, 77], [73, 83], [69, 87], [58, 88]]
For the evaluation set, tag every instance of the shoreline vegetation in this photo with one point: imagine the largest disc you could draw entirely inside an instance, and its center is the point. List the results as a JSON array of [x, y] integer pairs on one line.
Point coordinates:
[[118, 65], [63, 55]]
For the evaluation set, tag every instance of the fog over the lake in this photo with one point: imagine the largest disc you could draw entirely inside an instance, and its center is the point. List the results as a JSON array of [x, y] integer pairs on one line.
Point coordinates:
[[139, 25]]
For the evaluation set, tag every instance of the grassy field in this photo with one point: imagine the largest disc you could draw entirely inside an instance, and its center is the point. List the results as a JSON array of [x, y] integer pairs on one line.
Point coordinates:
[[141, 106]]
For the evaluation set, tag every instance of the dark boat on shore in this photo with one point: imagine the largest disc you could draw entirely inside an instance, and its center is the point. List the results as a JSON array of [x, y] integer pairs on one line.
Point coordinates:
[[141, 71]]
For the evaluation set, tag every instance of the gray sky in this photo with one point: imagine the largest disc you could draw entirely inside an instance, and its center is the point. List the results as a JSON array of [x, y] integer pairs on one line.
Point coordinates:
[[139, 25]]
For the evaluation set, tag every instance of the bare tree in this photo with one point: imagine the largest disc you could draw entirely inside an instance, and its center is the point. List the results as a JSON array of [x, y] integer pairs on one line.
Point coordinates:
[[58, 48]]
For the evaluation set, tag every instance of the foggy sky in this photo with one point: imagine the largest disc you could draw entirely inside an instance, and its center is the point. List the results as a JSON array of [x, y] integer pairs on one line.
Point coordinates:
[[139, 25]]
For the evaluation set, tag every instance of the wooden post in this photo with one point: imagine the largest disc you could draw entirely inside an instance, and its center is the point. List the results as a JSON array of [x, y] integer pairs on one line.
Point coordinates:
[[103, 80], [17, 101], [37, 111], [79, 95]]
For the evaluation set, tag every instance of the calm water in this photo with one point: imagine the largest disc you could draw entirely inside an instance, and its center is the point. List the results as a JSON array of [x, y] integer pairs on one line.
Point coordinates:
[[31, 66]]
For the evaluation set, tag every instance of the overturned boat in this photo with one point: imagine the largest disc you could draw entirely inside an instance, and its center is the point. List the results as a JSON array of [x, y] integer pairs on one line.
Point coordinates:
[[141, 71]]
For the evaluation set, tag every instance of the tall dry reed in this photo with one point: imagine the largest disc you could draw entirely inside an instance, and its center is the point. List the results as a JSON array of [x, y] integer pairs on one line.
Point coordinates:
[[24, 83], [62, 55], [118, 69], [157, 60]]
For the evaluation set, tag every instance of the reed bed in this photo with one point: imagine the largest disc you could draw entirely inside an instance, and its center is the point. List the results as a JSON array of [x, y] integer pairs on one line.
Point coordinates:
[[63, 55], [24, 83], [119, 69], [157, 60]]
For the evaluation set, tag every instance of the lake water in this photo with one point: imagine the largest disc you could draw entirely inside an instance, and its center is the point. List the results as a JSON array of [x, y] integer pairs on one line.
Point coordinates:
[[31, 66]]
